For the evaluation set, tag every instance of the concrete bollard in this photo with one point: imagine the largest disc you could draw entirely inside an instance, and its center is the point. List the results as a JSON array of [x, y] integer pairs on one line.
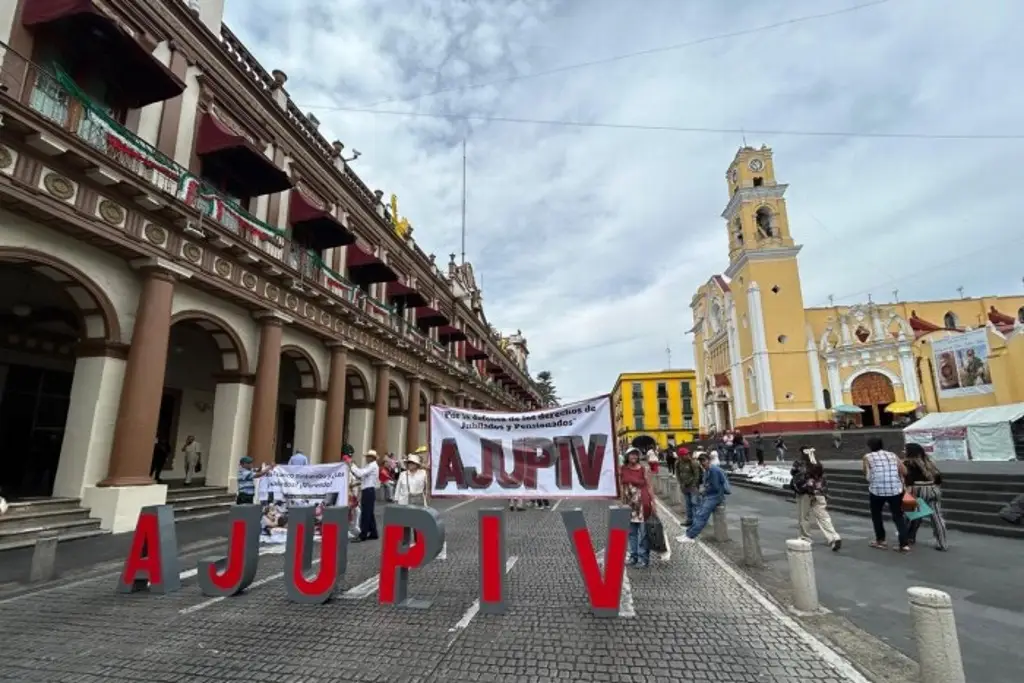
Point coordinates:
[[938, 647], [801, 574], [44, 558], [720, 525], [675, 495], [752, 556]]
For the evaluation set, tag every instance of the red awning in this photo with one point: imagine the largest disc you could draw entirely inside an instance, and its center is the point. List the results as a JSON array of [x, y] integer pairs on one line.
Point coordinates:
[[229, 158], [430, 317], [315, 227], [364, 268], [450, 333], [474, 352], [408, 296], [93, 40], [999, 318]]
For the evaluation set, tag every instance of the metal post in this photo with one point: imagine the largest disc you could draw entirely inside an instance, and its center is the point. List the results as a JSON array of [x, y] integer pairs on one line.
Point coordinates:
[[752, 556], [938, 647], [44, 558], [801, 574]]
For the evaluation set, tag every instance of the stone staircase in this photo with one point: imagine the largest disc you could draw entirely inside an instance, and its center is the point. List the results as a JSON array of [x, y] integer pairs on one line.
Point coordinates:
[[971, 500], [27, 520]]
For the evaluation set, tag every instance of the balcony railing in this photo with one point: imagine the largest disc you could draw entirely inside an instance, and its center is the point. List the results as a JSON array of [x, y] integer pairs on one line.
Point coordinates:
[[51, 93]]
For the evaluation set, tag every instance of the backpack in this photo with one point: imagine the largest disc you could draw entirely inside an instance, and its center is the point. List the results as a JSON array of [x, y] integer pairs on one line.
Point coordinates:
[[799, 481]]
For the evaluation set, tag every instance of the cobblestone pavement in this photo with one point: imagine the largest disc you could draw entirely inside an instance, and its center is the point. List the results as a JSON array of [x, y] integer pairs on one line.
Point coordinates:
[[682, 619]]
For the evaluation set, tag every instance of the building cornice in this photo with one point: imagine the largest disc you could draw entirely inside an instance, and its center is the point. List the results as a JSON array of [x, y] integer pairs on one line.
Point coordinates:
[[751, 194], [776, 254]]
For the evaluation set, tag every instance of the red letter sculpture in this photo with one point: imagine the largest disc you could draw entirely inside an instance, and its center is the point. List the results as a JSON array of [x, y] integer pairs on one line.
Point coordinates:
[[299, 554], [231, 575], [397, 557], [153, 559], [492, 561], [604, 593]]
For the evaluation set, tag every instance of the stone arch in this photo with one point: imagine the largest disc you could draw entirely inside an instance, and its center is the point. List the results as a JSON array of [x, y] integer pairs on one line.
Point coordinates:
[[357, 387], [308, 373], [97, 316], [232, 351], [1020, 314], [950, 321], [397, 402], [893, 378], [764, 221]]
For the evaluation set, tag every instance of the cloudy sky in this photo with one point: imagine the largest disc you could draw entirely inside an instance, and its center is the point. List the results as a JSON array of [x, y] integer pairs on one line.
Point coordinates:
[[593, 238]]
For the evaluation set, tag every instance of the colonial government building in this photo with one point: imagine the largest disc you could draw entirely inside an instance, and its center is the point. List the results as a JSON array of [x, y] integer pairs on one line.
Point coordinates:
[[766, 362], [183, 253]]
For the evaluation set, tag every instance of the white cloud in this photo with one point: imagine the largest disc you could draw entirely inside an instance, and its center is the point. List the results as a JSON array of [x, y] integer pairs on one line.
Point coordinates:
[[593, 240]]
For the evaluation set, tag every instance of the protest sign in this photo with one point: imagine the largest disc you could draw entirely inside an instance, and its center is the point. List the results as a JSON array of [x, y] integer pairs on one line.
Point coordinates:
[[564, 452], [299, 486]]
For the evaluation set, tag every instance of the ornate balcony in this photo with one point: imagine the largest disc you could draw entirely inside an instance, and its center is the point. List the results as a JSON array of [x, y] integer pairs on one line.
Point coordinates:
[[221, 221]]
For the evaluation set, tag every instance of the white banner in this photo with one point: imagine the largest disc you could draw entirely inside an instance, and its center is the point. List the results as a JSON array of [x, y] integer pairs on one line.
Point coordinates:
[[961, 364], [288, 486], [564, 452]]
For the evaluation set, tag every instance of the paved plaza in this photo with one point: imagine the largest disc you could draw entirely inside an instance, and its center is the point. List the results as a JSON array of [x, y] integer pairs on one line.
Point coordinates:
[[687, 618]]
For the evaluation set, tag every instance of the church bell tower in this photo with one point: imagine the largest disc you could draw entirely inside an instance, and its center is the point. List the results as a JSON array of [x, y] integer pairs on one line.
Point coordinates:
[[765, 281]]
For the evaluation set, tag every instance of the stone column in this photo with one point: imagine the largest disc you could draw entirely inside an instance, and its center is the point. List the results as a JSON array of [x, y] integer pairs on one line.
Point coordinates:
[[380, 408], [334, 414], [231, 404], [412, 426], [263, 416], [92, 410], [142, 390]]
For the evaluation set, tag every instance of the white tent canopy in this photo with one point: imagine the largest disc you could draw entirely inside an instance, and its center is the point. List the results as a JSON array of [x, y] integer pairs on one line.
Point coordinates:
[[982, 432]]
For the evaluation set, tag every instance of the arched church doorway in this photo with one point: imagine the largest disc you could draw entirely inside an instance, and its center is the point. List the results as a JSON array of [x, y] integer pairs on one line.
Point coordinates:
[[49, 312], [872, 392]]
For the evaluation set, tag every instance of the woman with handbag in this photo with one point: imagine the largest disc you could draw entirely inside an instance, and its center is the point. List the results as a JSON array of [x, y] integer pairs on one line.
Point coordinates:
[[884, 473], [924, 482], [808, 484], [635, 488]]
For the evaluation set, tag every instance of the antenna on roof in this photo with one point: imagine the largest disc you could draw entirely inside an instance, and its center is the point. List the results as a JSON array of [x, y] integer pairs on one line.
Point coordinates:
[[463, 201]]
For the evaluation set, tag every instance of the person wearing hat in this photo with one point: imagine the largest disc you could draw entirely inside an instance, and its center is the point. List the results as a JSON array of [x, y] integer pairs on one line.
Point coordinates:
[[369, 478], [714, 489], [412, 483], [689, 475], [247, 480]]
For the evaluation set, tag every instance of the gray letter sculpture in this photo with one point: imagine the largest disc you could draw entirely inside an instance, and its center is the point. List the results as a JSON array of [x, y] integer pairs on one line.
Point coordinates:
[[218, 577], [618, 520], [167, 578], [430, 526], [335, 521]]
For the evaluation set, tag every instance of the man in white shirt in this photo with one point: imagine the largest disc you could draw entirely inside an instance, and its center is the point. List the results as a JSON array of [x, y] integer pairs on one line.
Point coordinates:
[[192, 453], [369, 478]]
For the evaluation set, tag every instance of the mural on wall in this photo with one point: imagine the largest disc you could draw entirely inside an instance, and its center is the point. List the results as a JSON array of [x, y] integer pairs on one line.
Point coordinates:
[[961, 365]]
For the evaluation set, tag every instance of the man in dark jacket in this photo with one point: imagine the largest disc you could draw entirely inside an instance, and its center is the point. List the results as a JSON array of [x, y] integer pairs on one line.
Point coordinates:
[[689, 474], [715, 487]]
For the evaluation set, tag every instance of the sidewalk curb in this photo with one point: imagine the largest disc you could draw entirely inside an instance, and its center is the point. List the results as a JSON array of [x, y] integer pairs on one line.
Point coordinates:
[[872, 658]]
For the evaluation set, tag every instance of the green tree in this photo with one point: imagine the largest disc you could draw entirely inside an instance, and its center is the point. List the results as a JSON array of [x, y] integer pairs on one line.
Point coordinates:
[[546, 387]]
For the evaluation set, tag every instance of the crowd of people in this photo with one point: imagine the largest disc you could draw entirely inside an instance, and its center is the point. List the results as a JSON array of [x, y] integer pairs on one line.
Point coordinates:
[[911, 488]]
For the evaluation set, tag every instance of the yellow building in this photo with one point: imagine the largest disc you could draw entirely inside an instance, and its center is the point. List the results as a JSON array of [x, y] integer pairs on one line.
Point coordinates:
[[661, 405], [766, 362]]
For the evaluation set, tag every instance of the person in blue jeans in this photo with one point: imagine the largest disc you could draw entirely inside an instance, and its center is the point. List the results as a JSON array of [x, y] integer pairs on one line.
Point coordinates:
[[689, 475], [635, 488], [714, 490]]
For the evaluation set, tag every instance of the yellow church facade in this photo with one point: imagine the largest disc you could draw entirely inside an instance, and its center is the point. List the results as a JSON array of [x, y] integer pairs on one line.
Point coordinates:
[[766, 362]]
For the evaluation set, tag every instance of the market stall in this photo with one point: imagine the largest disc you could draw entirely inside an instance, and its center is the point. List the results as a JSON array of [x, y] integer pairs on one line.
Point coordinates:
[[980, 434]]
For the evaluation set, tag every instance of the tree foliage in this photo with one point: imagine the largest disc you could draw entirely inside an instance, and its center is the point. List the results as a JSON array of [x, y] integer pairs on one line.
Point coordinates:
[[546, 386]]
